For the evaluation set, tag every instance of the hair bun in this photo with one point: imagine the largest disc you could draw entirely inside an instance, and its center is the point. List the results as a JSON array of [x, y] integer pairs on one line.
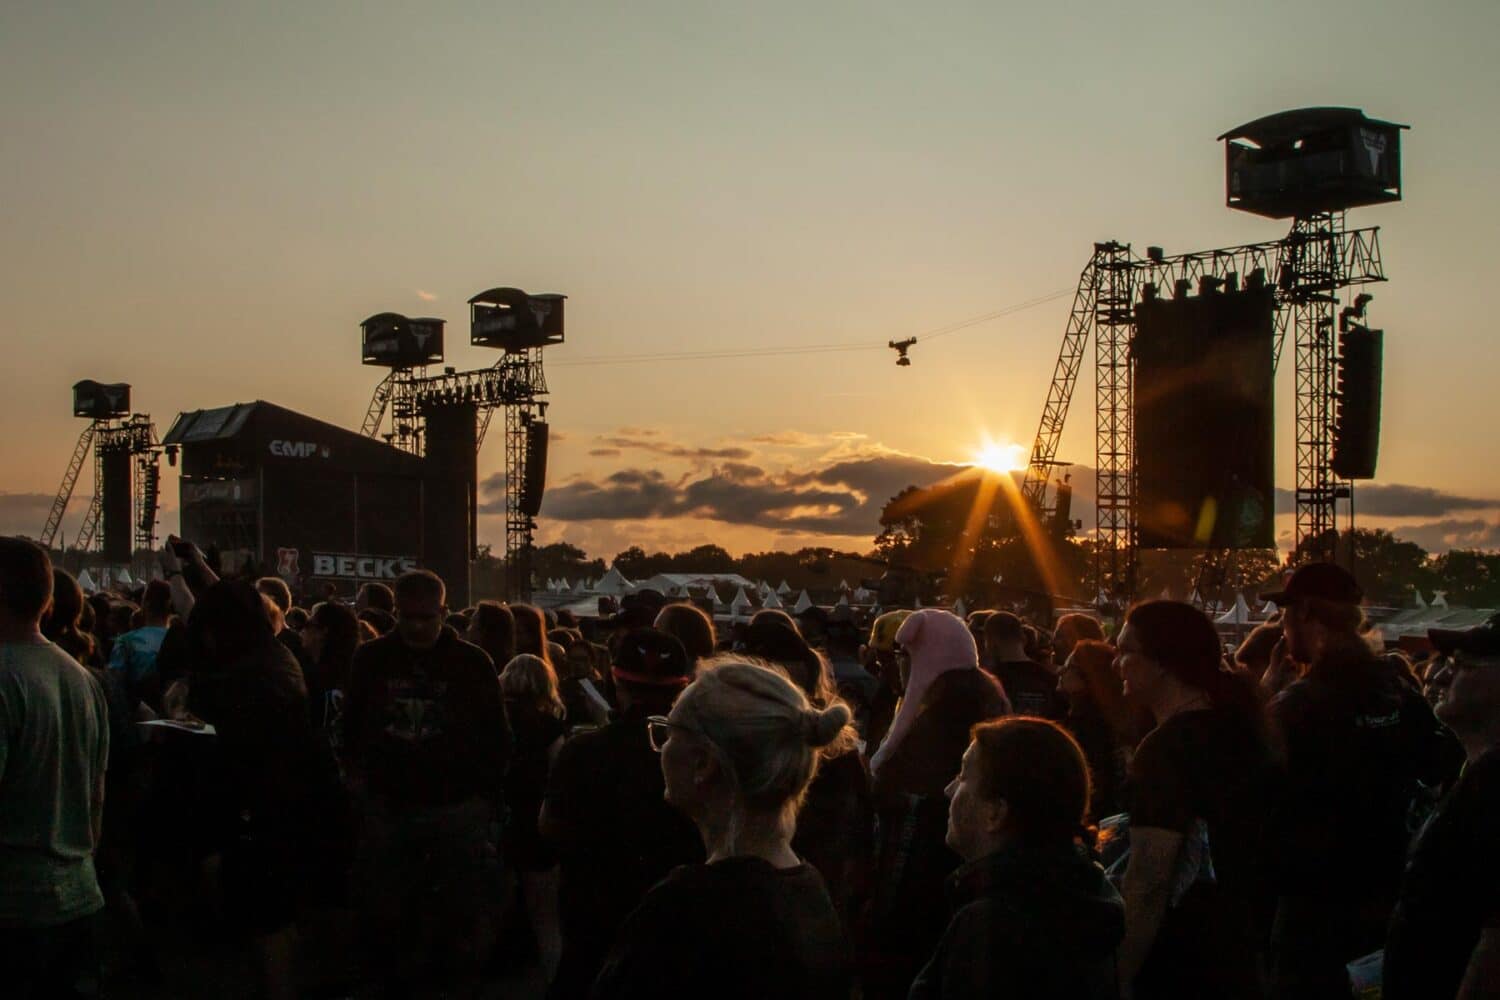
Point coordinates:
[[821, 728]]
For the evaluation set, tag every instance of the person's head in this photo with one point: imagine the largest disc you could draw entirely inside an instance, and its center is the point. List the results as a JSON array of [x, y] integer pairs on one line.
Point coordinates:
[[1168, 650], [1320, 604], [276, 589], [296, 619], [156, 602], [742, 744], [493, 629], [1088, 674], [229, 619], [1254, 654], [883, 641], [578, 662], [651, 668], [420, 611], [377, 596], [381, 622], [530, 679], [1024, 782], [773, 642], [693, 628], [1072, 628], [1468, 681], [1004, 637], [531, 630], [932, 642], [778, 615], [330, 637], [25, 584], [63, 621]]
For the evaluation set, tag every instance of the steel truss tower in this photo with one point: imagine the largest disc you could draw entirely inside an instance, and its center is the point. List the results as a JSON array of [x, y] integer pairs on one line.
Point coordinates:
[[1311, 267], [135, 435]]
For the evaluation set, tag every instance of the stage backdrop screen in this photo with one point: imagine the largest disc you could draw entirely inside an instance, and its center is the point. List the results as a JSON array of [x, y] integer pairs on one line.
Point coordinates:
[[1204, 424], [115, 505]]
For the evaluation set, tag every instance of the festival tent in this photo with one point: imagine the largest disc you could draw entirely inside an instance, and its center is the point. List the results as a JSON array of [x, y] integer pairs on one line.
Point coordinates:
[[712, 595], [1421, 603], [843, 601], [125, 578], [772, 601], [804, 603], [613, 582], [1268, 609], [843, 584], [87, 582], [861, 595], [741, 604], [960, 609], [784, 589], [1237, 615], [1440, 599]]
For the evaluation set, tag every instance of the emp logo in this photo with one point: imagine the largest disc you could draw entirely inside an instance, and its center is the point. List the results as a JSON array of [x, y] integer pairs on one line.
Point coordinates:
[[298, 449]]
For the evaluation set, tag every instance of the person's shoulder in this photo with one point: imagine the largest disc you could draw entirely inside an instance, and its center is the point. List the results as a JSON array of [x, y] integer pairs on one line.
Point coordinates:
[[463, 651], [1484, 772]]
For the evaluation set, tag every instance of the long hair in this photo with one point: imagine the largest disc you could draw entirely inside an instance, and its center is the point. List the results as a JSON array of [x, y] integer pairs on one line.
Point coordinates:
[[1094, 660], [1184, 643], [62, 622], [531, 630], [228, 620], [1038, 769], [494, 630], [340, 639], [692, 628], [530, 679]]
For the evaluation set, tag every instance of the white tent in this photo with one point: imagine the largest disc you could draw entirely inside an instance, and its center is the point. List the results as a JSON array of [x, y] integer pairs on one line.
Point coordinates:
[[1195, 598], [741, 604], [1268, 609], [843, 584], [861, 595], [613, 582], [803, 603], [1237, 615], [916, 603], [960, 609], [87, 582], [712, 595], [784, 589], [1101, 599], [1440, 599], [125, 577], [772, 601], [843, 601], [1421, 603]]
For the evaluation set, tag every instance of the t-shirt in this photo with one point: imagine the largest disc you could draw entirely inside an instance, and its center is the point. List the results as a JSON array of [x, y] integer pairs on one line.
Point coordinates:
[[427, 727], [1031, 688], [54, 746], [1451, 891], [134, 653], [737, 928], [1212, 765], [534, 732], [606, 789]]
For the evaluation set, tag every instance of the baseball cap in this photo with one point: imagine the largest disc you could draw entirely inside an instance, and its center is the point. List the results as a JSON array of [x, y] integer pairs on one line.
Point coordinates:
[[1323, 580], [883, 630], [1481, 640], [653, 658]]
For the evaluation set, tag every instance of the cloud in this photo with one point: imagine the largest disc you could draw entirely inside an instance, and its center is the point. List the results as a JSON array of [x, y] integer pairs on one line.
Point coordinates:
[[1451, 533], [787, 439], [1396, 500], [426, 296], [605, 452], [26, 513], [673, 450], [843, 498]]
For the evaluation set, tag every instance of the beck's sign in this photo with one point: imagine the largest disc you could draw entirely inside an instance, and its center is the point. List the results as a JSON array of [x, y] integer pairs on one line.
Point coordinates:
[[360, 567]]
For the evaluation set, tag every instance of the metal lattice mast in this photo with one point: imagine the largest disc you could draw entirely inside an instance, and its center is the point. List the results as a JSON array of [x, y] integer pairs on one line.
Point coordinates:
[[375, 413], [69, 482], [528, 382], [1060, 392], [1313, 270], [90, 527], [1114, 296]]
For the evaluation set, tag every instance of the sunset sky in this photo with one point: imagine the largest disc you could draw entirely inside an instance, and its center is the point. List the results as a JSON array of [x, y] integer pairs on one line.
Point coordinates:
[[205, 200]]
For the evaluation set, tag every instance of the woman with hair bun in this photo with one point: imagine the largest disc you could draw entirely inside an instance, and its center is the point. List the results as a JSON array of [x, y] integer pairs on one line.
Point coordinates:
[[738, 752]]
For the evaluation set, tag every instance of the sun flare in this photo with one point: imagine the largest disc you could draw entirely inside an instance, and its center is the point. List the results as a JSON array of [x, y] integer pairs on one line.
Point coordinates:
[[1000, 457]]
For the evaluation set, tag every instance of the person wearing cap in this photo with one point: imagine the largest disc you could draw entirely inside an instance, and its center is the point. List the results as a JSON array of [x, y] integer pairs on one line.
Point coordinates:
[[1444, 937], [879, 657], [605, 814], [1360, 746]]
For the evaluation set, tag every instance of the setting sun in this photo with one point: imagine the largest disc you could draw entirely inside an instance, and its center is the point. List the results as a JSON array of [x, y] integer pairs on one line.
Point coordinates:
[[1001, 457]]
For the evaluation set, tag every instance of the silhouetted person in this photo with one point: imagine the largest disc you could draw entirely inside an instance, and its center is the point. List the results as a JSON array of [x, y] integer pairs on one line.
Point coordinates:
[[1030, 686]]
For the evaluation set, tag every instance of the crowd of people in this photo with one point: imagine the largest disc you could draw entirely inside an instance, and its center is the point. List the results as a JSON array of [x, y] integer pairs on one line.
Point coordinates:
[[641, 806]]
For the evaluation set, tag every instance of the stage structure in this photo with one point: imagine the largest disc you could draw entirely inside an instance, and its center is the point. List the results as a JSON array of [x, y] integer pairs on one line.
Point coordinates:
[[459, 405], [121, 515], [1309, 165]]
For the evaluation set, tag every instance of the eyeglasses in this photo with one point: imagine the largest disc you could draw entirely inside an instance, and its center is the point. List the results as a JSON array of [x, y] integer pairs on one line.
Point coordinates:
[[659, 728]]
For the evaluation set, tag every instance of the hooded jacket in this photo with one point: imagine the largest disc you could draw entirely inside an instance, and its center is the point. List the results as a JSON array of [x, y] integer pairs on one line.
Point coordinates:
[[1028, 922]]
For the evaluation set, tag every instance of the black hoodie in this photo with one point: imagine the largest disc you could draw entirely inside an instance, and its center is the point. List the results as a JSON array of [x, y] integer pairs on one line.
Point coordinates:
[[1035, 923]]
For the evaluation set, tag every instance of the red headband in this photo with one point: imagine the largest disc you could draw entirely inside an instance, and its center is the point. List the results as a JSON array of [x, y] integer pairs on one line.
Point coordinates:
[[630, 677]]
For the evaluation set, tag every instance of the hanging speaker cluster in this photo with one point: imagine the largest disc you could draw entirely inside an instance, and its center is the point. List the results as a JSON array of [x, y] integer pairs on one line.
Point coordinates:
[[1356, 432]]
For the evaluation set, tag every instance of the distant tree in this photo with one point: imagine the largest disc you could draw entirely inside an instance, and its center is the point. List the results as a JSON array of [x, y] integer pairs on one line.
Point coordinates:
[[560, 560], [702, 559], [1387, 568], [1468, 577]]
